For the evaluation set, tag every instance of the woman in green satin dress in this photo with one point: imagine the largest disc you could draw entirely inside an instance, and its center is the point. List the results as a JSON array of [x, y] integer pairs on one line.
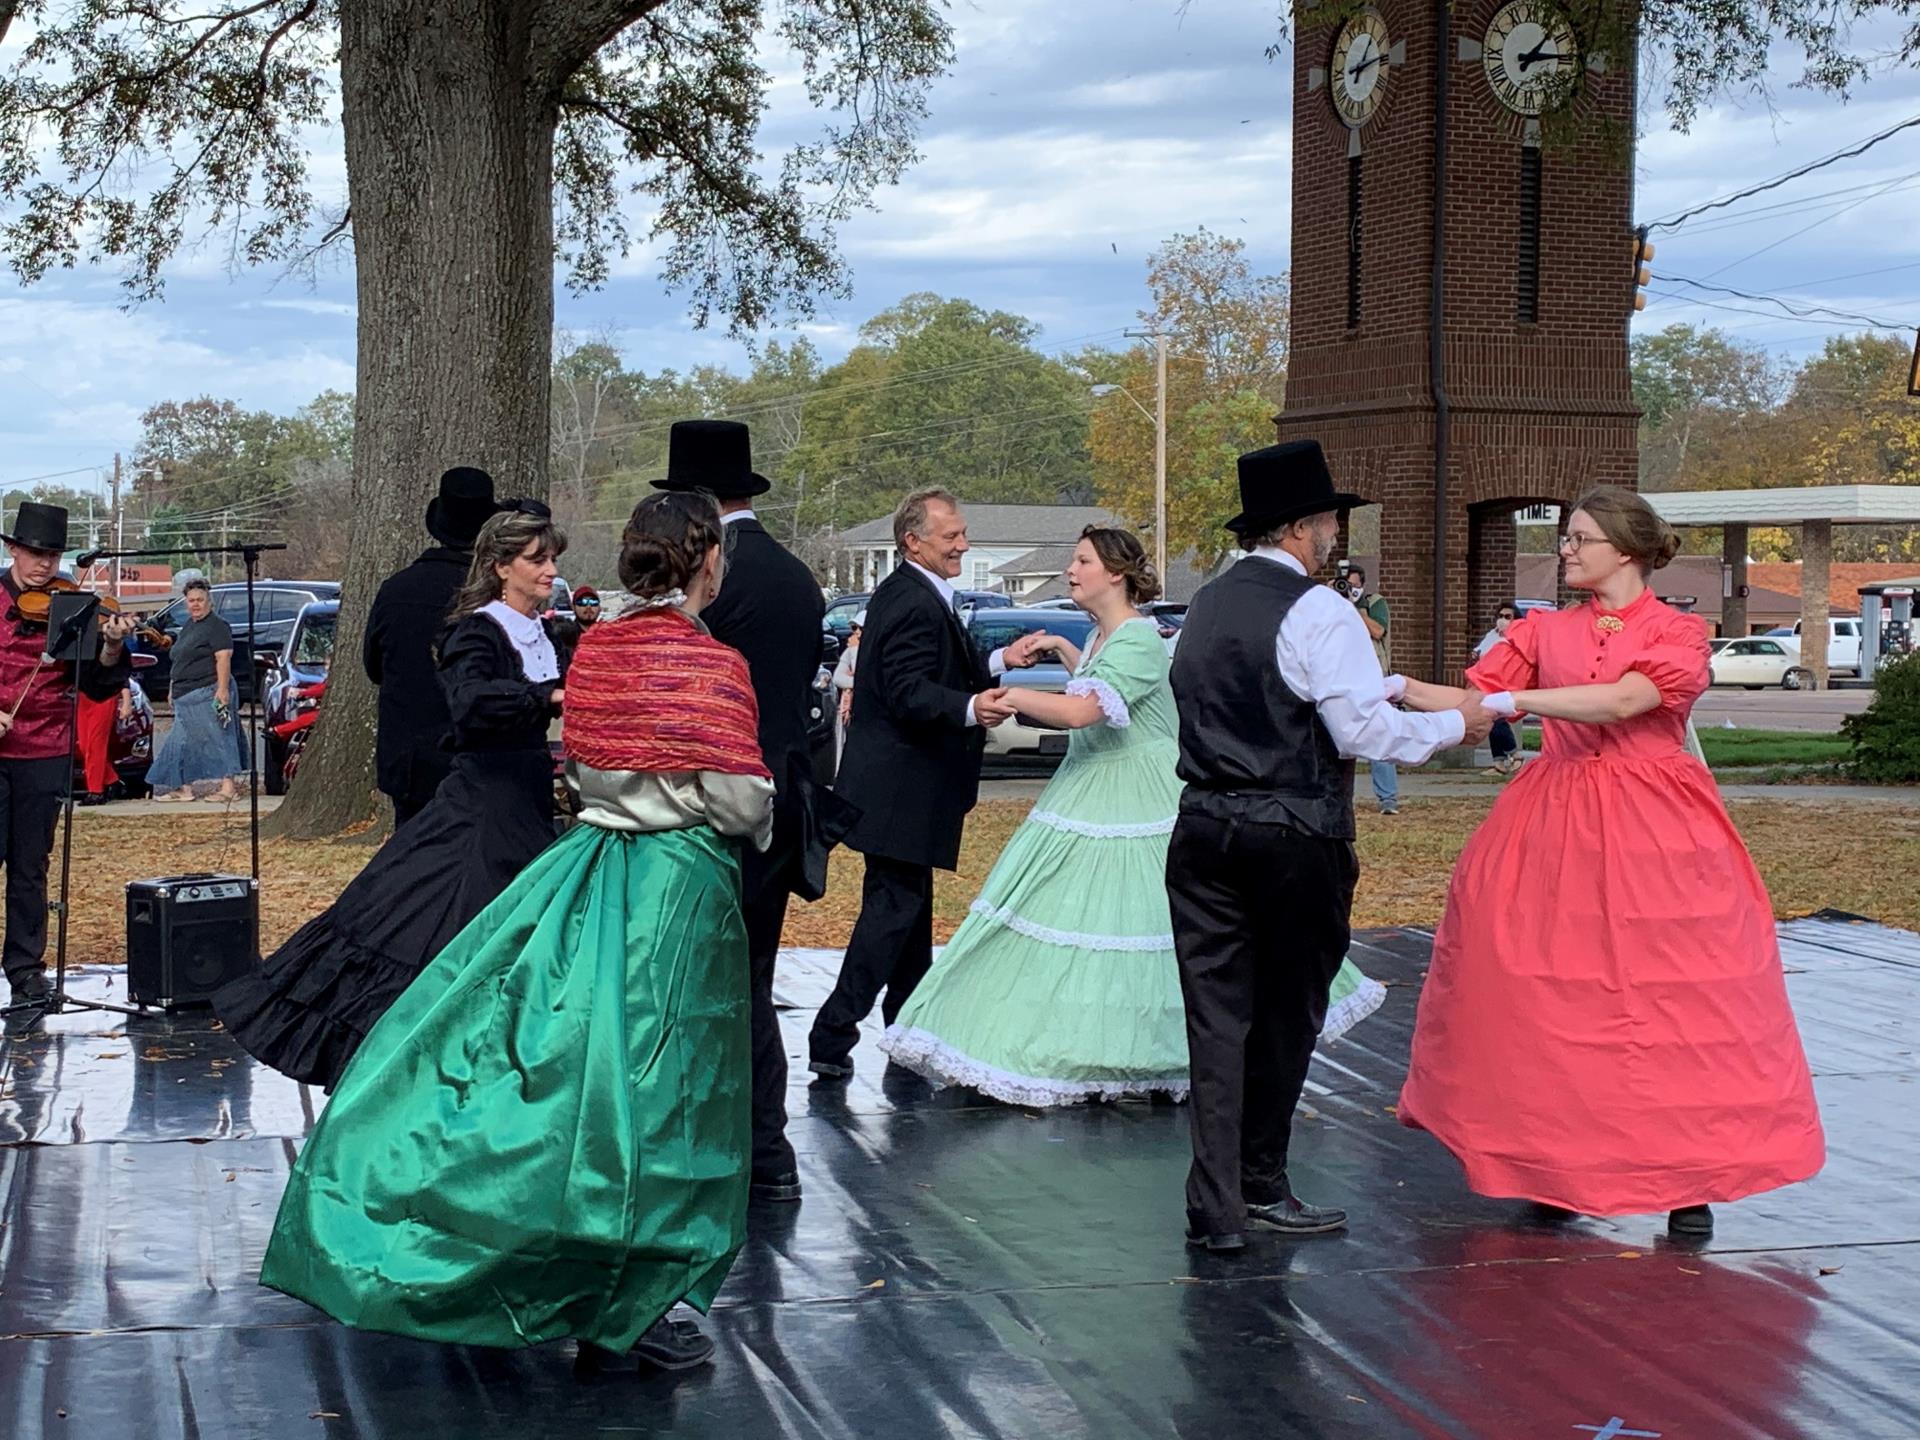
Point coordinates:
[[547, 1135]]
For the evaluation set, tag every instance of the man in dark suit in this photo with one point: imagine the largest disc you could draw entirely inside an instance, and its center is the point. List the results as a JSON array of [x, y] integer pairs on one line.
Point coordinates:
[[397, 650], [769, 609], [922, 702]]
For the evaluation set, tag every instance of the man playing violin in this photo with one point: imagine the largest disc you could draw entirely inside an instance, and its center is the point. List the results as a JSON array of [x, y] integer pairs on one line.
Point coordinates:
[[36, 741]]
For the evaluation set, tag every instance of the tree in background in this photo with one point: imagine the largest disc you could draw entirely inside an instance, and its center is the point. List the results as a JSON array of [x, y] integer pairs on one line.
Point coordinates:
[[1703, 401], [484, 139], [938, 391], [1226, 379]]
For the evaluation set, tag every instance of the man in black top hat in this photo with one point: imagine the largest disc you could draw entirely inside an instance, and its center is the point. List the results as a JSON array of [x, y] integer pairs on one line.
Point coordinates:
[[769, 609], [36, 741], [397, 651], [1278, 690]]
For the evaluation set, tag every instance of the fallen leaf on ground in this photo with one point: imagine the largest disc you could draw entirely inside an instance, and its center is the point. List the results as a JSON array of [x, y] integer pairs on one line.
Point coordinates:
[[876, 1285], [1831, 1269], [1628, 1255]]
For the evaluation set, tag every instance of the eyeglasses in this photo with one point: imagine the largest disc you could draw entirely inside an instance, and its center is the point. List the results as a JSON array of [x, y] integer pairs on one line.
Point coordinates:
[[1504, 615], [1573, 542]]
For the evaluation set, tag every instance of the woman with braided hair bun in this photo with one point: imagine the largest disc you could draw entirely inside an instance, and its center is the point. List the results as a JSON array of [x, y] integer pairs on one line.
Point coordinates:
[[548, 1134]]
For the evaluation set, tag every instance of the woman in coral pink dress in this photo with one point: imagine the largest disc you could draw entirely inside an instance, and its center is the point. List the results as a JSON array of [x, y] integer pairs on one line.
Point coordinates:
[[1605, 1026]]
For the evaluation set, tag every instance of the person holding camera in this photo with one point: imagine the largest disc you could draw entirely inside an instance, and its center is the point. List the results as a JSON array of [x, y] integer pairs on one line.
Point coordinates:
[[1375, 615]]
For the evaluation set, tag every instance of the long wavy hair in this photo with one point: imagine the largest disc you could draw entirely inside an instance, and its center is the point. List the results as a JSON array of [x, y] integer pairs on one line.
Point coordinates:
[[502, 539]]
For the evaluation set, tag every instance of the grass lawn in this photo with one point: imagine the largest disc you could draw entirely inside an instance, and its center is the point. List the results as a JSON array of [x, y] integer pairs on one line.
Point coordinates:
[[1753, 747], [1405, 861]]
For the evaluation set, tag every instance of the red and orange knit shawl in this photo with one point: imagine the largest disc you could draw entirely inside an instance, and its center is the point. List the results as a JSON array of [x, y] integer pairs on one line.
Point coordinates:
[[653, 692]]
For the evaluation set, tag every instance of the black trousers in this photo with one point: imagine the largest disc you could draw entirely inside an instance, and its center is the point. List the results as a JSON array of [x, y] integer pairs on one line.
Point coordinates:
[[891, 949], [30, 796], [1260, 926], [766, 915]]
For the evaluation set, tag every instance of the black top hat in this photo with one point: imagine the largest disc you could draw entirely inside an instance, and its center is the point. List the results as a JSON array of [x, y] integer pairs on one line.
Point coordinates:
[[39, 527], [464, 504], [712, 455], [1286, 482]]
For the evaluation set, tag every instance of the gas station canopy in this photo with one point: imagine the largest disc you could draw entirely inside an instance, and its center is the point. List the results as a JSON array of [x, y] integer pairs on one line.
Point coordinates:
[[1841, 504]]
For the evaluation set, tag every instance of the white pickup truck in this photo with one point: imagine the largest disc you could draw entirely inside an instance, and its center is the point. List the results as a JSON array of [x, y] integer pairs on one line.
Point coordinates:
[[1843, 644]]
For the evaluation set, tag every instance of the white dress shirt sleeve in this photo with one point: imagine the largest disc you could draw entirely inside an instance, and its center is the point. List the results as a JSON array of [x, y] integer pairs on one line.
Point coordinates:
[[1327, 658]]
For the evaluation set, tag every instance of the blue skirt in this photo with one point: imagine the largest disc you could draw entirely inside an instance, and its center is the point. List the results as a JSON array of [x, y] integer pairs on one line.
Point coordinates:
[[198, 747]]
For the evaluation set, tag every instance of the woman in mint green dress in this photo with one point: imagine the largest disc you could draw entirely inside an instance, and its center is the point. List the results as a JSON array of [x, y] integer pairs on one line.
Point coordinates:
[[547, 1134], [1061, 983]]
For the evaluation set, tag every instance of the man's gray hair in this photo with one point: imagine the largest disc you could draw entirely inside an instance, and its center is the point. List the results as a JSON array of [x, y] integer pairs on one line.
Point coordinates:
[[911, 517], [1272, 536]]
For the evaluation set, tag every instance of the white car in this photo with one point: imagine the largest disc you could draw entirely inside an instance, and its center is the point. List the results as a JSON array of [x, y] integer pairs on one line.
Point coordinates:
[[1758, 661]]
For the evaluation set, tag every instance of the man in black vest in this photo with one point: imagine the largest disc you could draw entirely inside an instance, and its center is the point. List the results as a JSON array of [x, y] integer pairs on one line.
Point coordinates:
[[1278, 690], [922, 702], [769, 609], [397, 650]]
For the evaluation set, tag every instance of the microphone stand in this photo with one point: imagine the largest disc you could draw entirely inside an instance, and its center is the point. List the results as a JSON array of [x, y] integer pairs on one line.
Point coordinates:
[[72, 632]]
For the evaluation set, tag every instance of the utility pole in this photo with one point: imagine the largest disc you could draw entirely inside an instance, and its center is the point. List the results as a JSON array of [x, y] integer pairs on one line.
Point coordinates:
[[1159, 338], [119, 524]]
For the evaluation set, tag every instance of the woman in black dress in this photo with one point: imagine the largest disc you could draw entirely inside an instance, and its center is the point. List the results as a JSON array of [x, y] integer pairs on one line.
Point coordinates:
[[307, 1008]]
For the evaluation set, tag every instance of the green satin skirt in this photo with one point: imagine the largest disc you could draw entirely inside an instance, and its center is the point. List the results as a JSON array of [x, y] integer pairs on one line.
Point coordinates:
[[548, 1134]]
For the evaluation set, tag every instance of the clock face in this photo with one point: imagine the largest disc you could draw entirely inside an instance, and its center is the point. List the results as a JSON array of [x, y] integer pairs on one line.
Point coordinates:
[[1359, 66], [1531, 56]]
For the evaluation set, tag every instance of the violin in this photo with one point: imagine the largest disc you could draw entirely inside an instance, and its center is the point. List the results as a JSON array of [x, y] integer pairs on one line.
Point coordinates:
[[34, 606]]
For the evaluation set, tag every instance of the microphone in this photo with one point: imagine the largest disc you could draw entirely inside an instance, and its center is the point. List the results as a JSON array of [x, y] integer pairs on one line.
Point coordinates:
[[82, 561]]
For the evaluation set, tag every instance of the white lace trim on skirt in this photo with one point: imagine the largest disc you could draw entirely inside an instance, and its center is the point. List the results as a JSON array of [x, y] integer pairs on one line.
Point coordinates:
[[1352, 1008], [932, 1057], [1111, 705], [1073, 939], [1135, 831]]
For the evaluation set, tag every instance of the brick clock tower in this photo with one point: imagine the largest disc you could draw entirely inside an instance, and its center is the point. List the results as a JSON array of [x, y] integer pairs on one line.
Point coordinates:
[[1462, 277]]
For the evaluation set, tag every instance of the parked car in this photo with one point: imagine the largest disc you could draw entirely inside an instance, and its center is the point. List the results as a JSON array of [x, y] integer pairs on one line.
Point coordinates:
[[1757, 661], [965, 600], [277, 605], [299, 680], [837, 624], [990, 629]]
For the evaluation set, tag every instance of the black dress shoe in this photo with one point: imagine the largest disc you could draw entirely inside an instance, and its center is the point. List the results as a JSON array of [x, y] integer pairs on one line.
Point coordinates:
[[1694, 1221], [1202, 1240], [832, 1069], [29, 1005], [673, 1345], [666, 1345], [775, 1188], [1293, 1216], [1538, 1212]]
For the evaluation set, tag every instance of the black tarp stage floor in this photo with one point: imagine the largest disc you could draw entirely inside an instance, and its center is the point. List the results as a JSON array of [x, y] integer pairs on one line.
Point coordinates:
[[966, 1269]]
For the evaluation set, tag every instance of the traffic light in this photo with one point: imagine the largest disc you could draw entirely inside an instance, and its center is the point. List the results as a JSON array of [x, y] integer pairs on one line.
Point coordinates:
[[1642, 270]]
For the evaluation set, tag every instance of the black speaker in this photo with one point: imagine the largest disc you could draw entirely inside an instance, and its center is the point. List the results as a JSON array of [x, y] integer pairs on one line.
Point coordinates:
[[187, 935]]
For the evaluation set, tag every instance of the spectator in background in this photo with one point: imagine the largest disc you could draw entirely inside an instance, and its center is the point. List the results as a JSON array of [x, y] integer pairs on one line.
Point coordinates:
[[1506, 749], [586, 607], [843, 682], [205, 743], [1374, 615]]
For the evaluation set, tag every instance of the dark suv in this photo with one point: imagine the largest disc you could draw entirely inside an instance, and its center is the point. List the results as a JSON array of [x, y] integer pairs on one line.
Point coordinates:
[[276, 605], [298, 682]]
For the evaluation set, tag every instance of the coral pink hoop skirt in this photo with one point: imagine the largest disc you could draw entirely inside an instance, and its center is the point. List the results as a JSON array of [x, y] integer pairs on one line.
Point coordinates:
[[1605, 1024]]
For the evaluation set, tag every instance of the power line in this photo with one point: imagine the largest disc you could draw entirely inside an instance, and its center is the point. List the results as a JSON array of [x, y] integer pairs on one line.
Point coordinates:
[[1763, 314], [1860, 148], [55, 475], [1775, 245], [1797, 312]]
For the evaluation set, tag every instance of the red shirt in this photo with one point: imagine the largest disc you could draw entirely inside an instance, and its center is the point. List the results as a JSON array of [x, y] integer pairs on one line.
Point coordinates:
[[40, 726]]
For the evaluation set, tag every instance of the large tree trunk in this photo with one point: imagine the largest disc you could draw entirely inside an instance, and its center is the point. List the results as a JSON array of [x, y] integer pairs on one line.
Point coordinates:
[[450, 180]]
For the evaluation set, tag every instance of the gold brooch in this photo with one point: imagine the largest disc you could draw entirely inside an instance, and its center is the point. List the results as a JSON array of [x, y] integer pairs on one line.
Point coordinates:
[[1612, 624]]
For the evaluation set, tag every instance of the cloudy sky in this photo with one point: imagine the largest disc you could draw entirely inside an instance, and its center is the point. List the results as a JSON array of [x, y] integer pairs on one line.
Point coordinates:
[[1058, 154]]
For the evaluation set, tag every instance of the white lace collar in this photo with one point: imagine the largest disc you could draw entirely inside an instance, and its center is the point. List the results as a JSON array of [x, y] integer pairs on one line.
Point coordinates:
[[529, 638]]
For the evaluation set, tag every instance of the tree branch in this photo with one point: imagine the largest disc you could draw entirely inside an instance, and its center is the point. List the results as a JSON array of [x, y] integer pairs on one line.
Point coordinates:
[[569, 33]]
